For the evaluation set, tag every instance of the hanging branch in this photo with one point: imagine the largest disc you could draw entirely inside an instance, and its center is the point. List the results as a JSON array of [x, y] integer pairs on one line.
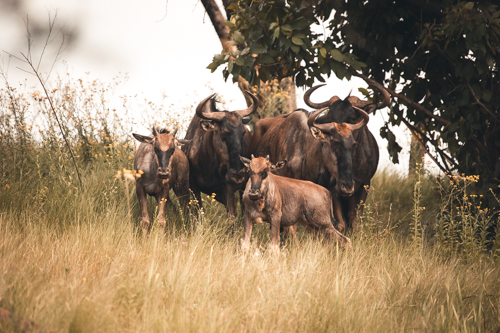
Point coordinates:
[[415, 131], [27, 58]]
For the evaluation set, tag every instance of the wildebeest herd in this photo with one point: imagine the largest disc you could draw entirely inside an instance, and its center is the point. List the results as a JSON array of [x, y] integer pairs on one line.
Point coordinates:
[[300, 167]]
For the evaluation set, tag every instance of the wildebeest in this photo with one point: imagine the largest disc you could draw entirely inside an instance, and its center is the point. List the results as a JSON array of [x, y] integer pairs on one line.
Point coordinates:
[[164, 166], [283, 202], [336, 151], [218, 138]]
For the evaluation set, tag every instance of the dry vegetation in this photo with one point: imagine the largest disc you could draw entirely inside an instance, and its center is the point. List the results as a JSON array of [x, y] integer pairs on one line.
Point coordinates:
[[71, 258]]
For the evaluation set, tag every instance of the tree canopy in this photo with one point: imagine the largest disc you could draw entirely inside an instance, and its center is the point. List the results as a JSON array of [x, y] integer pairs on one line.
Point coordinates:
[[438, 60]]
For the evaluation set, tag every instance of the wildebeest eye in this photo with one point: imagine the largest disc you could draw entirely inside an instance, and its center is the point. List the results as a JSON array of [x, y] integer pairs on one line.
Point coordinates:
[[264, 174]]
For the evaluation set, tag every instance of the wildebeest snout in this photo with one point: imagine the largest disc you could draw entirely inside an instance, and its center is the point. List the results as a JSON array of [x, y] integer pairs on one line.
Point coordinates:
[[345, 188], [163, 173], [254, 194]]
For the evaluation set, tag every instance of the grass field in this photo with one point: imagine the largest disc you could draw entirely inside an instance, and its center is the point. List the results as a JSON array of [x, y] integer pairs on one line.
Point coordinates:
[[72, 258]]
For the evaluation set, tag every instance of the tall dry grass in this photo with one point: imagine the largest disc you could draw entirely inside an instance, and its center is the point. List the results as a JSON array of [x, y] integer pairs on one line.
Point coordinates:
[[71, 258], [97, 276]]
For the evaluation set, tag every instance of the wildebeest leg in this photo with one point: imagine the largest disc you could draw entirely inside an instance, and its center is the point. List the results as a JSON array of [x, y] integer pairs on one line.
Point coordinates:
[[337, 211], [183, 197], [291, 230], [143, 202], [248, 226], [275, 231], [230, 204], [325, 225], [333, 234], [162, 199]]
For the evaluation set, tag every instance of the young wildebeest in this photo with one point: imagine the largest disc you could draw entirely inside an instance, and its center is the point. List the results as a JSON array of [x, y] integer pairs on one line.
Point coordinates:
[[165, 166], [283, 201]]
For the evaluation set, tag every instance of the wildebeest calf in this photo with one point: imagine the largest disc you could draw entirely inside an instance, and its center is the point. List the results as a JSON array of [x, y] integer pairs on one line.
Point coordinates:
[[165, 166], [283, 201]]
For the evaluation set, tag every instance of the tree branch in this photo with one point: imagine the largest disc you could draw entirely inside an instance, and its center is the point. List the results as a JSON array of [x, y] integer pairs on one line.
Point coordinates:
[[218, 21], [482, 105], [412, 129]]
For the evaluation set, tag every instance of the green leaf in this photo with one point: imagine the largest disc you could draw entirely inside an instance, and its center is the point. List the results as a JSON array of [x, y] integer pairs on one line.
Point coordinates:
[[266, 59], [295, 48], [322, 51], [213, 66], [297, 40], [321, 61], [230, 65], [258, 49], [469, 5], [486, 96], [286, 28], [337, 55], [240, 61], [364, 92], [238, 37], [277, 32]]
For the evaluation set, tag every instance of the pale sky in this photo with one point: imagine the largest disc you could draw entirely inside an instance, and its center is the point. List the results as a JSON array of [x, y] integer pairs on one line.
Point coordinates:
[[164, 47]]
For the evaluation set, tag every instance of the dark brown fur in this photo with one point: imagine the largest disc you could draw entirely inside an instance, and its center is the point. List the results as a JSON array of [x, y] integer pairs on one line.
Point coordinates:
[[165, 167], [218, 138], [339, 158], [283, 202]]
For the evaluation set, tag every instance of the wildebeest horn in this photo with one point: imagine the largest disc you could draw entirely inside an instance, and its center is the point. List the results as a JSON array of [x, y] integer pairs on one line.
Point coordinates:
[[155, 132], [174, 132], [369, 107], [386, 97], [324, 127], [307, 99], [205, 111], [363, 122], [252, 108]]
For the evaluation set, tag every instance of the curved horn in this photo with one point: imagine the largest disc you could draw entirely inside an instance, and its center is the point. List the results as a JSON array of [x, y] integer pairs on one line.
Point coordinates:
[[386, 98], [363, 122], [155, 132], [307, 99], [252, 108], [205, 111], [324, 127], [174, 132]]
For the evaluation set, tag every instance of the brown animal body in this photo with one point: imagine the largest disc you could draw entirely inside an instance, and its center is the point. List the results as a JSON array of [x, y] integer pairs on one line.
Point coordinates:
[[218, 138], [164, 167], [283, 202], [336, 151]]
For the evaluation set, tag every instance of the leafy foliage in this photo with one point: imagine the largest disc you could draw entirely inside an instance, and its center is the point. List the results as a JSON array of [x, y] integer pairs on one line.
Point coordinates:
[[438, 60]]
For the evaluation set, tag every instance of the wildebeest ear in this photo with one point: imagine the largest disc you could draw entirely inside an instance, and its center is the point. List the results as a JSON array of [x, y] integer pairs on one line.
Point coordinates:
[[245, 161], [278, 165], [246, 120], [370, 108], [317, 133], [208, 125], [143, 138], [182, 142]]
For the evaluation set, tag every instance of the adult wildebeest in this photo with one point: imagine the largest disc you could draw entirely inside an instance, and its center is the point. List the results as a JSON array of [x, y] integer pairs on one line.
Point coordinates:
[[336, 151], [284, 201], [164, 166], [218, 138]]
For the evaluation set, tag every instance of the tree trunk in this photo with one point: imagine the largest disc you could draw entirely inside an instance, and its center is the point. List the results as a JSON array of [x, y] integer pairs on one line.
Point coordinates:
[[274, 98]]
